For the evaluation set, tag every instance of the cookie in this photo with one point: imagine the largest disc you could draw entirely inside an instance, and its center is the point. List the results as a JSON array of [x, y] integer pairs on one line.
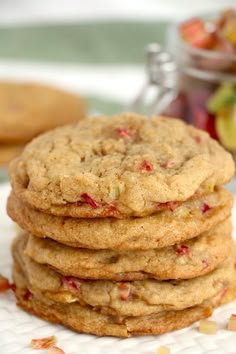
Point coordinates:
[[160, 230], [28, 109], [193, 258], [136, 298], [8, 152], [127, 165], [83, 319]]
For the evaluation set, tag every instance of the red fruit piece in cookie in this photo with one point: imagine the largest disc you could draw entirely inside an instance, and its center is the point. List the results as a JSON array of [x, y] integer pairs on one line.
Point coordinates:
[[71, 283], [123, 132], [205, 208], [182, 250], [146, 166], [90, 200]]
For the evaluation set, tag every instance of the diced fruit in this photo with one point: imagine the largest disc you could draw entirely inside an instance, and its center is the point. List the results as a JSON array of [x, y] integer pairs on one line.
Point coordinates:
[[232, 323], [43, 343], [71, 283], [163, 350], [225, 95], [182, 250], [13, 287], [221, 295], [168, 205], [90, 200], [195, 33], [56, 350], [123, 132], [4, 284], [217, 35], [27, 295], [208, 327], [205, 208], [190, 27], [172, 205], [146, 166], [226, 127], [124, 291], [229, 30]]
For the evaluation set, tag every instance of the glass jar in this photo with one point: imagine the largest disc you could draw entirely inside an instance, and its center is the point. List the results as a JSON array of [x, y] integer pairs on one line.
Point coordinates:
[[207, 90]]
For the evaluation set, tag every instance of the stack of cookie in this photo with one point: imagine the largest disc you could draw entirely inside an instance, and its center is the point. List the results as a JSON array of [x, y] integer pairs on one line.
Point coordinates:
[[127, 227], [30, 109]]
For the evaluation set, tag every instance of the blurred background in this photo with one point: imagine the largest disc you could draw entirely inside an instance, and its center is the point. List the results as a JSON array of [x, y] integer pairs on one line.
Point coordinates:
[[95, 47]]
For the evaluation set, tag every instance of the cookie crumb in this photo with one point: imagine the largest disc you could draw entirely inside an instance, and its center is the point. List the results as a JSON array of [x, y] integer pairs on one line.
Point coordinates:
[[232, 323], [208, 327], [56, 350], [43, 343], [163, 350]]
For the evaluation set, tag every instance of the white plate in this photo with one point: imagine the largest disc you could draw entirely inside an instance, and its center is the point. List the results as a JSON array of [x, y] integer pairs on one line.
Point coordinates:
[[17, 328]]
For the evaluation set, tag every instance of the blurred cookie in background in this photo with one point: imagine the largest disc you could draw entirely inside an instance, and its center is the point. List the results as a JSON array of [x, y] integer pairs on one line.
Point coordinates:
[[28, 109]]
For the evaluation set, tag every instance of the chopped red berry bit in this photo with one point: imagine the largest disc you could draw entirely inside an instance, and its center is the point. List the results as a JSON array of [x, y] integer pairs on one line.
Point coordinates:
[[4, 284], [172, 205], [125, 291], [198, 139], [222, 295], [13, 287], [168, 205], [168, 164], [182, 250], [27, 295], [205, 208], [205, 263], [43, 343], [71, 283], [90, 201], [56, 350], [196, 34], [145, 165], [123, 132]]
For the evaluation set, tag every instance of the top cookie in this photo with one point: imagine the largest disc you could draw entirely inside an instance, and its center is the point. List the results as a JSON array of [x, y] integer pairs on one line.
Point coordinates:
[[27, 110], [128, 165]]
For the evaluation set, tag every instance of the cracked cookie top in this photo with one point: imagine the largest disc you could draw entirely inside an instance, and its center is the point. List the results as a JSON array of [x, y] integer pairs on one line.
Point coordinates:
[[126, 165]]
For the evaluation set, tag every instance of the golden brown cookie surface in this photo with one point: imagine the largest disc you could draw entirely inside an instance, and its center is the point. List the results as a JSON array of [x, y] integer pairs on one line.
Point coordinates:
[[134, 298], [127, 165], [85, 320], [190, 259], [162, 229]]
